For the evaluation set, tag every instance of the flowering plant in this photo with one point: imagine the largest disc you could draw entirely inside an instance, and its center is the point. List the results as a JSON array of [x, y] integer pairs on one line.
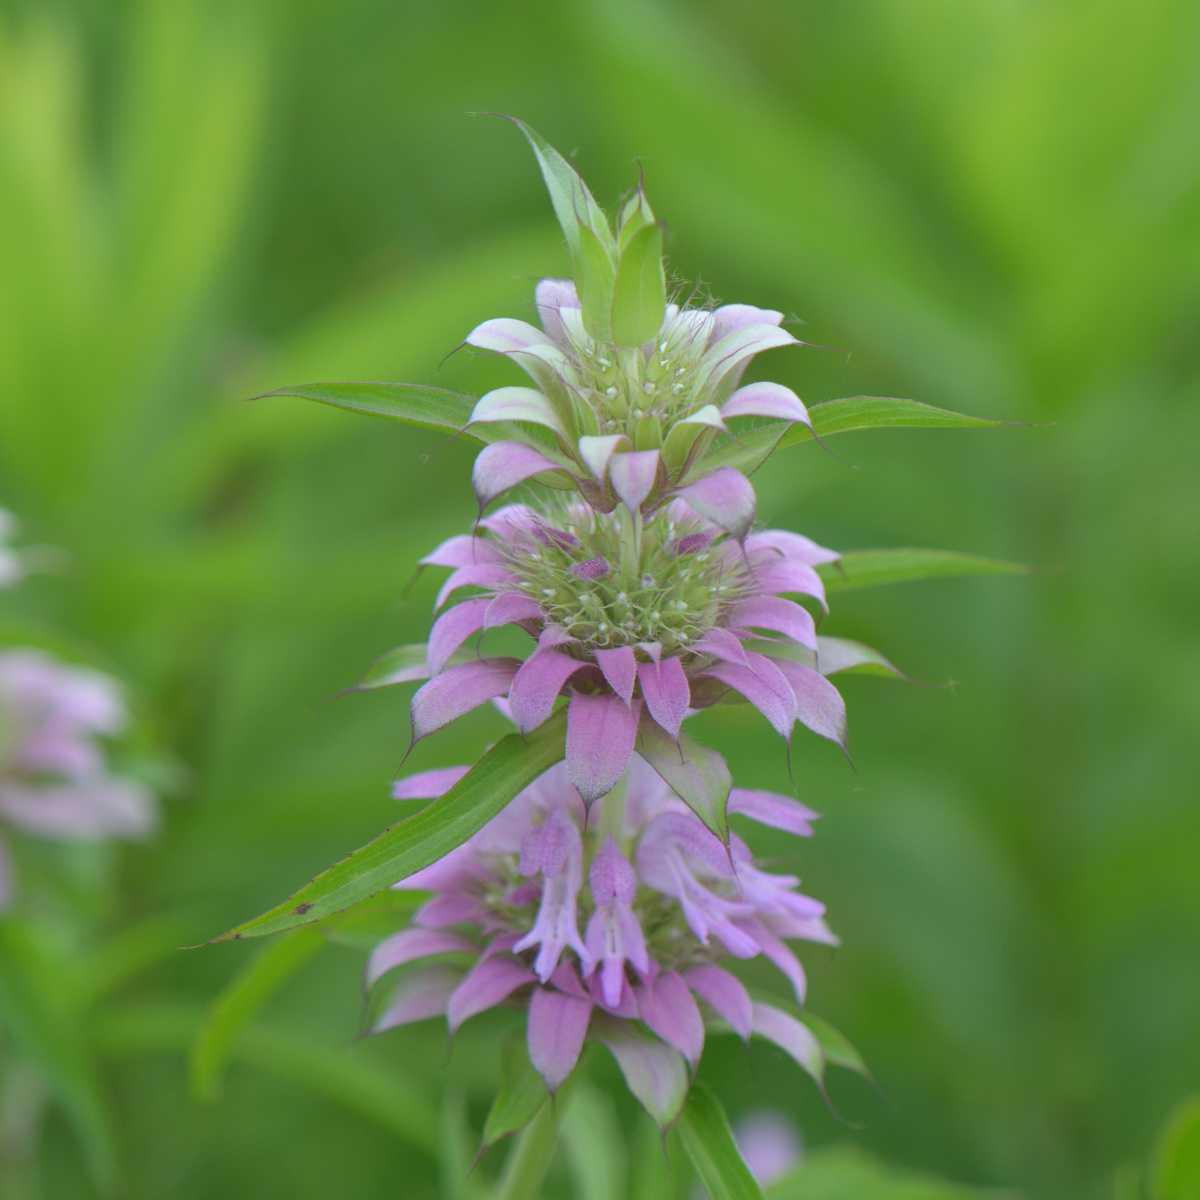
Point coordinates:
[[584, 869]]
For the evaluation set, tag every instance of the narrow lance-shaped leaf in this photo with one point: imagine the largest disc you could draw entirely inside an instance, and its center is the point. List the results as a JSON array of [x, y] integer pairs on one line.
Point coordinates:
[[640, 293], [239, 1002], [403, 664], [874, 568], [1176, 1169], [409, 403], [519, 1097], [708, 1140], [408, 846]]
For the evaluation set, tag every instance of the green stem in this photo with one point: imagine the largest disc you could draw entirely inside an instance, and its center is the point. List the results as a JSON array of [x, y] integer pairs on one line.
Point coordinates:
[[531, 1156]]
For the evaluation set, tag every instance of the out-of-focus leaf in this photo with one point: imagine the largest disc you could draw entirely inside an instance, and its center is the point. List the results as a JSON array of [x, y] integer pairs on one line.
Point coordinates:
[[874, 568], [594, 1145], [409, 403], [239, 1002], [521, 1093], [709, 1143], [640, 293], [364, 925], [403, 664], [1177, 1158], [837, 1047], [39, 1012], [454, 1158], [852, 1175], [697, 775], [132, 950], [404, 848], [294, 1056], [530, 1157]]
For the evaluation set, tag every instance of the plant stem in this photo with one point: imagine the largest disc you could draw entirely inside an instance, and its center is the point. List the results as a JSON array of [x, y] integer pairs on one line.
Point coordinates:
[[531, 1156]]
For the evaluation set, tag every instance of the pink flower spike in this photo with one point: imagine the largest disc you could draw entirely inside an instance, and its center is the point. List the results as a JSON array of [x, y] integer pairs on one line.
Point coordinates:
[[791, 545], [427, 785], [536, 686], [409, 945], [551, 296], [819, 704], [597, 452], [633, 476], [729, 318], [778, 615], [453, 628], [422, 995], [510, 607], [488, 983], [462, 550], [725, 994], [601, 731], [477, 575], [766, 400], [666, 692], [769, 808], [556, 1028], [722, 644], [764, 686]]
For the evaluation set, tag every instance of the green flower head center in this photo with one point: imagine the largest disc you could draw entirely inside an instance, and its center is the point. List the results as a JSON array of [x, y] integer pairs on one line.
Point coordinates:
[[610, 579]]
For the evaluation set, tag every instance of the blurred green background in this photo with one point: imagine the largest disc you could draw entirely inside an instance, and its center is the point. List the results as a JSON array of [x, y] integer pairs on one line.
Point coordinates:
[[992, 206]]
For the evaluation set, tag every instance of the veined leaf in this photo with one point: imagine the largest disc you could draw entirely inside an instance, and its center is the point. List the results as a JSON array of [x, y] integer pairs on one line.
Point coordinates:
[[709, 1143], [697, 775], [410, 403], [239, 1001], [573, 204], [595, 278], [408, 846], [848, 414], [37, 1008], [522, 1092], [640, 292], [874, 568]]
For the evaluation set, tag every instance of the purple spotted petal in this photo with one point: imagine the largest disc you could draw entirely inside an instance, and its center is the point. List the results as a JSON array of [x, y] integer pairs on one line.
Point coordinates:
[[769, 808], [487, 984], [600, 734], [725, 994], [551, 296], [594, 568], [793, 1037], [503, 465], [510, 607], [766, 400], [778, 615], [462, 550], [666, 692], [725, 498], [731, 317], [619, 667], [420, 996], [633, 476], [427, 785], [407, 946], [537, 684], [458, 690], [790, 545], [453, 628], [668, 1008], [556, 1028], [819, 704]]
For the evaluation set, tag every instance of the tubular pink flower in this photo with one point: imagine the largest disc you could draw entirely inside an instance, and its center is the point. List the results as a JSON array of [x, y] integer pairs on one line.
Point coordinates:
[[663, 902], [636, 618], [53, 778]]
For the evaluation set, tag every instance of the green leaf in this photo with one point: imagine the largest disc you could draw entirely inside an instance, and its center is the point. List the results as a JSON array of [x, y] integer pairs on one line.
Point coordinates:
[[654, 1072], [874, 568], [709, 1143], [595, 280], [364, 925], [521, 1094], [239, 1001], [403, 664], [849, 414], [640, 293], [410, 403], [837, 1047], [848, 1174], [408, 846], [530, 1158], [38, 1010], [1176, 1170], [594, 1145], [697, 775], [573, 203]]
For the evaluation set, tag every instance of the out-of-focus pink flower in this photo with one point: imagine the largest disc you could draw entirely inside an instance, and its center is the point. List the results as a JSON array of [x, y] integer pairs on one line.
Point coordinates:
[[636, 618], [663, 902], [770, 1145], [54, 782]]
